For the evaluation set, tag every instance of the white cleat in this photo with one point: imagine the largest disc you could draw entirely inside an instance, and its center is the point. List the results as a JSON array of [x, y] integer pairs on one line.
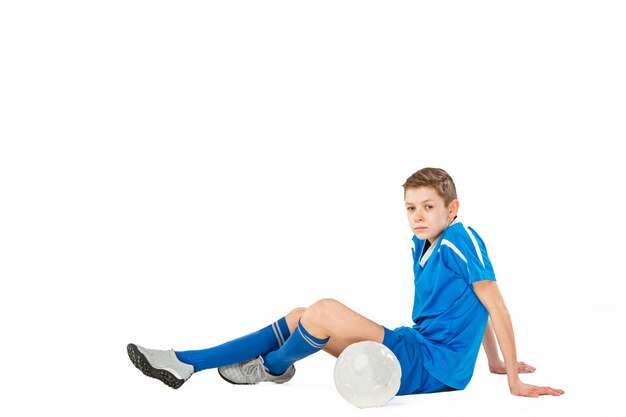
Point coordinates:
[[160, 364], [252, 372]]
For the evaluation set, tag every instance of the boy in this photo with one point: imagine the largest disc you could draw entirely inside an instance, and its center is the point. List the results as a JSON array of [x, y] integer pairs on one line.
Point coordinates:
[[457, 305]]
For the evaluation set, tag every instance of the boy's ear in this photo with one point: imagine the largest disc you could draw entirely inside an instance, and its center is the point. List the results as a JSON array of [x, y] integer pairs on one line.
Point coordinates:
[[453, 208]]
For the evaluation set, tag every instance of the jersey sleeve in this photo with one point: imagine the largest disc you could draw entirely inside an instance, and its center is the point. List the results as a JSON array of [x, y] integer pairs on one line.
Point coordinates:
[[466, 254]]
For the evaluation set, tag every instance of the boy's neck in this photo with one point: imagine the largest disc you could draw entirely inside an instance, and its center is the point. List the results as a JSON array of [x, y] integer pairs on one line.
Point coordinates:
[[435, 239]]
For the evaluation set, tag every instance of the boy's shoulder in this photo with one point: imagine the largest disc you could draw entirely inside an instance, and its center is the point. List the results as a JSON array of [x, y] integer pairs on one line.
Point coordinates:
[[461, 237], [463, 248], [459, 231]]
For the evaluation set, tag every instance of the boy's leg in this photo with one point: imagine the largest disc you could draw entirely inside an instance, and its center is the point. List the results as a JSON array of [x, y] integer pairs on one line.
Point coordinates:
[[174, 368], [344, 326], [243, 348], [327, 324]]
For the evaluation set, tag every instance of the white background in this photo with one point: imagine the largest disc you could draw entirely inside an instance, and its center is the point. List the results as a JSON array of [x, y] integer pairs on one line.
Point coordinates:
[[179, 173]]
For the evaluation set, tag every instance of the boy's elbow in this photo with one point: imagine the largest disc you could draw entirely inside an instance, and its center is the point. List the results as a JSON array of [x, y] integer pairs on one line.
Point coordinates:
[[490, 295]]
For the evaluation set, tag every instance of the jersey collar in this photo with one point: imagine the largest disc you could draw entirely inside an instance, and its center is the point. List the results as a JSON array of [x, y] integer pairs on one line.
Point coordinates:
[[429, 252], [424, 257]]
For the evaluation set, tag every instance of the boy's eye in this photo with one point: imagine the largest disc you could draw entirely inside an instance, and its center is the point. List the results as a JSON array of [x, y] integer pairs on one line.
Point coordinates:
[[410, 208], [428, 207]]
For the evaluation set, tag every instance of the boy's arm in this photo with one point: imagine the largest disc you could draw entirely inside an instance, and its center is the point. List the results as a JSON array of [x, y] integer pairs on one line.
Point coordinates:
[[489, 295], [496, 366], [491, 348]]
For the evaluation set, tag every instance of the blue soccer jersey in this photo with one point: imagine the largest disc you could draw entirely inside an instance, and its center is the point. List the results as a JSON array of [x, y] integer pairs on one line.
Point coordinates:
[[449, 318]]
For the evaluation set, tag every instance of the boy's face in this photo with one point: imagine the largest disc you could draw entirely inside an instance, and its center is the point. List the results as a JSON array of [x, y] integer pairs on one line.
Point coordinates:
[[427, 212]]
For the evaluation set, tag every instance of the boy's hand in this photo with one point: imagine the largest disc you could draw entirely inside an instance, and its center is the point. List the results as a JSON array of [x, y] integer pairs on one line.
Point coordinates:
[[526, 390], [499, 368]]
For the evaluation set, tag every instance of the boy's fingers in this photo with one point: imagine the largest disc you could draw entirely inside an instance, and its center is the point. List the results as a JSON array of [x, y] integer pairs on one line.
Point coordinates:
[[552, 391], [525, 368]]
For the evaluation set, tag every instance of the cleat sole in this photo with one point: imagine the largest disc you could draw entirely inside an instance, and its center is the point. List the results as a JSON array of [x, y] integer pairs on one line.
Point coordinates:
[[139, 360]]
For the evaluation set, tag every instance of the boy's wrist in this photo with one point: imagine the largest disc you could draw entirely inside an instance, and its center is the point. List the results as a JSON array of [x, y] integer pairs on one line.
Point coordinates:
[[496, 365], [513, 378]]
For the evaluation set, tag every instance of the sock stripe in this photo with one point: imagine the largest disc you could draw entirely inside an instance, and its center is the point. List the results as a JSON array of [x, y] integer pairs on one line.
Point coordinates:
[[279, 335], [299, 345], [316, 343]]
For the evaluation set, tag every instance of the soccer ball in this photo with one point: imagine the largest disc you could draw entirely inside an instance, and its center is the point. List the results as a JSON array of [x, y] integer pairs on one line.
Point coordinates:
[[367, 374]]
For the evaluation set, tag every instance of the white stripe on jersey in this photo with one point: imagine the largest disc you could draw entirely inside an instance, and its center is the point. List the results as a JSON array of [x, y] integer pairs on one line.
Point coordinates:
[[454, 248], [478, 252], [429, 252]]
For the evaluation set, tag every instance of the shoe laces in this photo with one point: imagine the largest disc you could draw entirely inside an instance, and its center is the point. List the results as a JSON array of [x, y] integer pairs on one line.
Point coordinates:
[[254, 370]]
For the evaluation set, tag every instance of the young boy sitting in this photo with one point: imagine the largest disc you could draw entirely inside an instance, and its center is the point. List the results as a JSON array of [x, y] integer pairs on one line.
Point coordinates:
[[457, 304]]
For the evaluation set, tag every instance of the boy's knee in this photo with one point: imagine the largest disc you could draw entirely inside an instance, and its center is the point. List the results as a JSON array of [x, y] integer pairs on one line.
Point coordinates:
[[293, 317], [322, 307], [297, 312]]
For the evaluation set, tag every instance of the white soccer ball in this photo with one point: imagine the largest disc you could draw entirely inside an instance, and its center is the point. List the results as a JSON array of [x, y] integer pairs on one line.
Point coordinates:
[[367, 374]]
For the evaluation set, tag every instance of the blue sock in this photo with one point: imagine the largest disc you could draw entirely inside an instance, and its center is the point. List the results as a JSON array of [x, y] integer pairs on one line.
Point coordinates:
[[238, 350], [299, 345]]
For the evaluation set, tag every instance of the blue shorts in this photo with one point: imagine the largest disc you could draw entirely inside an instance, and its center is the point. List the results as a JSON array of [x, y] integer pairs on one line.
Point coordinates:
[[415, 379]]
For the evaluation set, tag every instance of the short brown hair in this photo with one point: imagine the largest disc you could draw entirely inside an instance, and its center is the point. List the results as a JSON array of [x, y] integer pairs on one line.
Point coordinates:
[[437, 178]]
